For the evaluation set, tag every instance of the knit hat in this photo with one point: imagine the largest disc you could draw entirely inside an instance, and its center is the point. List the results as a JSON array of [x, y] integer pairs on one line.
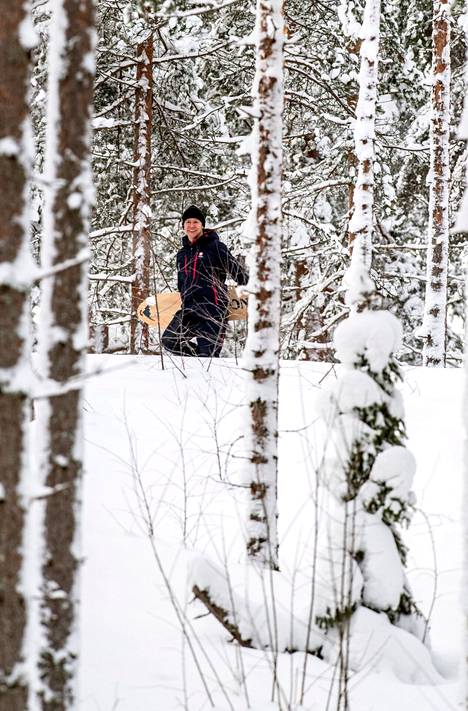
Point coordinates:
[[195, 212]]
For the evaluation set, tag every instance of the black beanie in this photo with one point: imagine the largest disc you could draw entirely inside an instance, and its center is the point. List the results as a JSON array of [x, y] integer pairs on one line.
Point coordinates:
[[193, 211]]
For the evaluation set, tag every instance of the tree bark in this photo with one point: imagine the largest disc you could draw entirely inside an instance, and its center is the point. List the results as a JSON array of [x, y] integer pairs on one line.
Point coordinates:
[[361, 224], [63, 339], [15, 279], [261, 354], [354, 47], [461, 225], [223, 616], [464, 675], [142, 191], [435, 306]]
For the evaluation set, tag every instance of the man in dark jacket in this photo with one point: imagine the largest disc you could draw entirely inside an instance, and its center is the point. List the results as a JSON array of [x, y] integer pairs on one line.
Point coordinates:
[[203, 264]]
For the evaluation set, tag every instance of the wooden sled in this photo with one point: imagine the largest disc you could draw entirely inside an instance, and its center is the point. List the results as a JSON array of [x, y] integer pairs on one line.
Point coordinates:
[[160, 310]]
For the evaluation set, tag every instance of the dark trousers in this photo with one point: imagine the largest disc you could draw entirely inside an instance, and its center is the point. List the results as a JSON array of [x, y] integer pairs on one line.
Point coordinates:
[[207, 328]]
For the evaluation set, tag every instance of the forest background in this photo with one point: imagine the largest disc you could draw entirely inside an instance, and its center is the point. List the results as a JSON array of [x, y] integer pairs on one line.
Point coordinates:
[[196, 134]]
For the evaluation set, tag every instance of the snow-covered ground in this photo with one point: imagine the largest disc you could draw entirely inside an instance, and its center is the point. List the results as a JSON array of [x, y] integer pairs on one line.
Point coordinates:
[[163, 456]]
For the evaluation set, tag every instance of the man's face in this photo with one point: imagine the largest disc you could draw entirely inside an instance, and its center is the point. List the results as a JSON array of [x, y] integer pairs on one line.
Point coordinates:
[[193, 229]]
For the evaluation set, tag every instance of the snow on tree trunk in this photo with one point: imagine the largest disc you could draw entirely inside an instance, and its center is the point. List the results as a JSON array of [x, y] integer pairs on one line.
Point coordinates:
[[352, 30], [16, 273], [435, 305], [63, 339], [361, 224], [142, 190], [262, 347], [464, 675], [461, 225]]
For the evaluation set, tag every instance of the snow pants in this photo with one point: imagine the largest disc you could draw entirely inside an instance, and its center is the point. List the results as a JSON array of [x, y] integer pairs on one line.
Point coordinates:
[[207, 328]]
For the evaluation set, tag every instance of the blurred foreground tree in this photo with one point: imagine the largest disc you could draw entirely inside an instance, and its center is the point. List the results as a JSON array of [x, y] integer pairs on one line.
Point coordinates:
[[16, 275], [63, 336]]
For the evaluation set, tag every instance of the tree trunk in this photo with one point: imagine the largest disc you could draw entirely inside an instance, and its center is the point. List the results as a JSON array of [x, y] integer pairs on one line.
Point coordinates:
[[310, 321], [435, 306], [462, 226], [261, 354], [361, 223], [301, 272], [354, 47], [464, 675], [63, 338], [15, 277], [142, 191]]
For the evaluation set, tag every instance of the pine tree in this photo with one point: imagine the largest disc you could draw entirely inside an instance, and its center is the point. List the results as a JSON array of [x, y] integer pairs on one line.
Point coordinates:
[[461, 226], [142, 189], [15, 281], [435, 307], [361, 224], [63, 338], [261, 358]]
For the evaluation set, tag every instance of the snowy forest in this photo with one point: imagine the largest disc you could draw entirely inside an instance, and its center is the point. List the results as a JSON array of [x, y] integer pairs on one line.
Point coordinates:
[[256, 504]]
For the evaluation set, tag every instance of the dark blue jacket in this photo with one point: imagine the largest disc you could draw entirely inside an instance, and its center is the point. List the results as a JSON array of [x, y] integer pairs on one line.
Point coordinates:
[[202, 269]]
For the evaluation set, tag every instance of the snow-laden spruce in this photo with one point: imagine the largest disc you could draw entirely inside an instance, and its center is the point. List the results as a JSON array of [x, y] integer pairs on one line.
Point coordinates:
[[368, 473]]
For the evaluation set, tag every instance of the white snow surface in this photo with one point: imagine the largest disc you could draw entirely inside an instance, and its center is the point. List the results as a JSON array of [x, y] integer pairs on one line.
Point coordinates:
[[376, 644], [163, 448]]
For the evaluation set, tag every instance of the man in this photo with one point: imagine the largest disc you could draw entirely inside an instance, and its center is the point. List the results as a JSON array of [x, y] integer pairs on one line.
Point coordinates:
[[203, 264]]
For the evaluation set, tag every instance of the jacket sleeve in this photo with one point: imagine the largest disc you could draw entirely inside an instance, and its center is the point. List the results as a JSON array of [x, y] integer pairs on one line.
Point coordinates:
[[233, 267]]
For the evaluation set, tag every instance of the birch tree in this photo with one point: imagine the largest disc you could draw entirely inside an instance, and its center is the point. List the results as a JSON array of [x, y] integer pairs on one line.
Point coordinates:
[[15, 279], [142, 189], [63, 337], [435, 305], [261, 353]]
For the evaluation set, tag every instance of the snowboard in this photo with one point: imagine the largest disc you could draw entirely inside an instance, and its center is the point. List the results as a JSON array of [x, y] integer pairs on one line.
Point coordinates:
[[159, 310]]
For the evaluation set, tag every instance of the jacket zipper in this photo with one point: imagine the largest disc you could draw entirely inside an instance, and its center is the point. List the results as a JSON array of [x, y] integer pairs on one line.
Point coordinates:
[[194, 266]]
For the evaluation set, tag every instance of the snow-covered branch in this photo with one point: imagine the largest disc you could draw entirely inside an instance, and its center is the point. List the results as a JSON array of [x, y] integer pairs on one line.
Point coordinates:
[[215, 7]]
